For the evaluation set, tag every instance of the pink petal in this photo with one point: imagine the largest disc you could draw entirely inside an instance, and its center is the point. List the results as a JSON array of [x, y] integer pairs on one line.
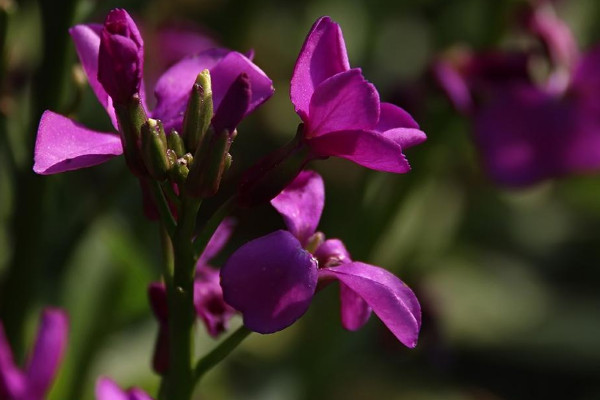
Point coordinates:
[[397, 125], [391, 300], [454, 85], [48, 352], [332, 252], [106, 389], [301, 204], [64, 145], [369, 149], [12, 381], [345, 101], [323, 55], [208, 301], [354, 310], [271, 281], [87, 44]]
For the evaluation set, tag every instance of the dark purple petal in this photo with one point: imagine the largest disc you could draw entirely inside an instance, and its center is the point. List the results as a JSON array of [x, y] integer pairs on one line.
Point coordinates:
[[121, 56], [47, 353], [586, 79], [345, 101], [87, 44], [271, 281], [209, 303], [174, 86], [63, 145], [355, 311], [12, 381], [332, 252], [157, 294], [301, 204], [217, 241], [393, 302], [234, 105], [323, 55], [369, 149]]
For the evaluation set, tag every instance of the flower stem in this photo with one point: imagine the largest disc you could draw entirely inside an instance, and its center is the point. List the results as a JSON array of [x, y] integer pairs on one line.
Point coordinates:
[[162, 206], [219, 353], [179, 377]]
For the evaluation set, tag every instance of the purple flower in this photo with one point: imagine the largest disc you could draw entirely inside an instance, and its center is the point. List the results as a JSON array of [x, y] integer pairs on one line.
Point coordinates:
[[341, 111], [121, 56], [64, 145], [526, 130], [208, 298], [34, 381], [271, 280], [106, 389]]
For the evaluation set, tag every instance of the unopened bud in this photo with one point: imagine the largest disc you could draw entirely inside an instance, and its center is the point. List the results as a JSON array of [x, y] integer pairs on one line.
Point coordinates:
[[199, 111], [154, 149], [175, 143], [209, 163], [179, 171]]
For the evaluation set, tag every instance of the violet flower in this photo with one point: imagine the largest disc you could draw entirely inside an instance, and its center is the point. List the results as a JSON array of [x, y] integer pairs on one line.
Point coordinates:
[[64, 145], [271, 280], [342, 112], [528, 131], [34, 381], [208, 298], [106, 389]]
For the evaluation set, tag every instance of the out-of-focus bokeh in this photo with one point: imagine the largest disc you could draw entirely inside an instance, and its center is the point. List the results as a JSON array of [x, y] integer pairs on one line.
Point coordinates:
[[508, 279]]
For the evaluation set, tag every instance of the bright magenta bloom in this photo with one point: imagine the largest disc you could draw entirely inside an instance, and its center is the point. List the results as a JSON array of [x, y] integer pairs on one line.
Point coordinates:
[[106, 389], [342, 112], [271, 280], [64, 145], [34, 381]]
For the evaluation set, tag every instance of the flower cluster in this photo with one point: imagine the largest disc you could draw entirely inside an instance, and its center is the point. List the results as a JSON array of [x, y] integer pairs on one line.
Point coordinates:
[[179, 152], [529, 130]]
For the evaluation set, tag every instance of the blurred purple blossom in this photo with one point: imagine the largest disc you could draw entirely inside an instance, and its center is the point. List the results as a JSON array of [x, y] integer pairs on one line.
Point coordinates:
[[64, 145], [106, 389], [34, 381], [529, 129], [272, 280], [342, 112]]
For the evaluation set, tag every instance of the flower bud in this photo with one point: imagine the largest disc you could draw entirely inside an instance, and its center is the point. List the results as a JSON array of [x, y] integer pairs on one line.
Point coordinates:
[[154, 149], [209, 164], [199, 111], [121, 56], [175, 143], [131, 116]]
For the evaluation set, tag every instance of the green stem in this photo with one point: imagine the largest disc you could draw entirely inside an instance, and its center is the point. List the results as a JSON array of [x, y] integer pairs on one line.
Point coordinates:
[[168, 256], [212, 224], [179, 384], [162, 206], [219, 353]]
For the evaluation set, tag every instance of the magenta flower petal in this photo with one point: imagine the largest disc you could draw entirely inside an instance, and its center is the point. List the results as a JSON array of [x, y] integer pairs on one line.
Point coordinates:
[[301, 204], [217, 241], [177, 42], [345, 101], [121, 56], [354, 310], [397, 125], [369, 149], [174, 86], [271, 281], [393, 302], [12, 381], [106, 389], [64, 145], [208, 301], [87, 43], [454, 85], [323, 55], [48, 352]]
